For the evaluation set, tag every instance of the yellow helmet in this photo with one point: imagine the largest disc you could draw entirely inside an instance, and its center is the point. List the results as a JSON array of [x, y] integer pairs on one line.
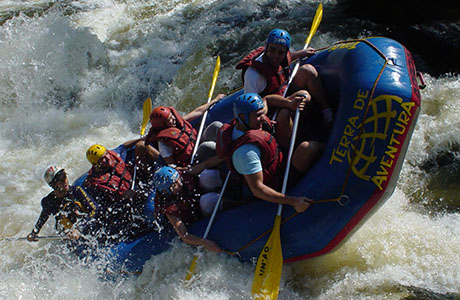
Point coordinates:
[[94, 153]]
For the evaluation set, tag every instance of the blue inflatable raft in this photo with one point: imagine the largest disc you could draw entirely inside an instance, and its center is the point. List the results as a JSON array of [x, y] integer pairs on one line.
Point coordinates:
[[374, 86]]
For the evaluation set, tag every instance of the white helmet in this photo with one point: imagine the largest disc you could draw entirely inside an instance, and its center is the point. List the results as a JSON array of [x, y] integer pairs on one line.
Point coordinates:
[[50, 174]]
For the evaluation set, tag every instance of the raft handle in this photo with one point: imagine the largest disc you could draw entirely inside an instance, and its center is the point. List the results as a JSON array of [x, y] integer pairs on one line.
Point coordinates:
[[344, 202], [422, 84]]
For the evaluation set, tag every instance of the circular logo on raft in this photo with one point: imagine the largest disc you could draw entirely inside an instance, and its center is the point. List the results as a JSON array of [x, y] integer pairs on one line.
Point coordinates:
[[370, 145]]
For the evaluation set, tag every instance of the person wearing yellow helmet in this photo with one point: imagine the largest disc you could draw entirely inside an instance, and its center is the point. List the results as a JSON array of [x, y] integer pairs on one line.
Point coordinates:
[[95, 153], [110, 181], [72, 207], [109, 172]]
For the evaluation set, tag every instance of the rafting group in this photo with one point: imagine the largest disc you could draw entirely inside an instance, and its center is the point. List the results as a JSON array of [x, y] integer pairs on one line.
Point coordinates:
[[186, 169]]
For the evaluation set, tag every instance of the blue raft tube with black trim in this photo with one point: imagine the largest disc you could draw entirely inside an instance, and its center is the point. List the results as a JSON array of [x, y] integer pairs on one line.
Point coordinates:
[[373, 83]]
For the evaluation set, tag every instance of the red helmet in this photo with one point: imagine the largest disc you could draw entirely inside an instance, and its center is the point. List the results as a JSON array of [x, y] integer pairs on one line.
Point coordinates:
[[159, 116]]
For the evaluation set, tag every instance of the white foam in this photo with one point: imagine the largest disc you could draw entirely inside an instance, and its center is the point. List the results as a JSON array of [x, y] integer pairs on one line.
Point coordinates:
[[70, 80]]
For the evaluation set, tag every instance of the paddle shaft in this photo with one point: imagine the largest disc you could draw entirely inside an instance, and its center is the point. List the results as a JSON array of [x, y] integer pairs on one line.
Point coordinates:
[[205, 115], [208, 228], [146, 109], [269, 264], [216, 207], [314, 27], [49, 238], [200, 132]]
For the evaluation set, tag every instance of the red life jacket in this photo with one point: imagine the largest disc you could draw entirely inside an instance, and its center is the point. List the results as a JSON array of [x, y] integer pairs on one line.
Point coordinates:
[[151, 137], [117, 179], [272, 157], [181, 139], [277, 78], [185, 206]]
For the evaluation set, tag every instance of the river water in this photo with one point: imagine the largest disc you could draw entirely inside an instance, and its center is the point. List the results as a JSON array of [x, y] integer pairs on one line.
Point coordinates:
[[74, 73]]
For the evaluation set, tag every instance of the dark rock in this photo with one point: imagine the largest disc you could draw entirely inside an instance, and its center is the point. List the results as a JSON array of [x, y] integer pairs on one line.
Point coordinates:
[[428, 29]]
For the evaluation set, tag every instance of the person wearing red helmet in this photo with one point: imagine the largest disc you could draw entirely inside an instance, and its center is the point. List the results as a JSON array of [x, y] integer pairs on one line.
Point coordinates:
[[173, 137]]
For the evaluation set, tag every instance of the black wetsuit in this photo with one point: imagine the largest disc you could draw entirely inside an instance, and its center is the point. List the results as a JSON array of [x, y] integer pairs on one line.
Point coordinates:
[[52, 205]]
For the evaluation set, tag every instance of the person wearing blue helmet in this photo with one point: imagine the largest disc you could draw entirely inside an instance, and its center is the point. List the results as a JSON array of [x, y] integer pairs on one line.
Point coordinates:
[[266, 72], [249, 148], [266, 69], [178, 197]]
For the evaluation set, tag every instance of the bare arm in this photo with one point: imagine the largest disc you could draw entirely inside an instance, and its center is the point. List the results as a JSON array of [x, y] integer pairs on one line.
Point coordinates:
[[278, 101], [264, 192], [302, 53], [207, 164], [191, 239], [299, 99], [199, 111], [131, 143], [170, 160]]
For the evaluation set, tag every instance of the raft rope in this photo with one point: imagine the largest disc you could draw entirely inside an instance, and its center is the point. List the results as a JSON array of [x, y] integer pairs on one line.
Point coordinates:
[[371, 97], [347, 177]]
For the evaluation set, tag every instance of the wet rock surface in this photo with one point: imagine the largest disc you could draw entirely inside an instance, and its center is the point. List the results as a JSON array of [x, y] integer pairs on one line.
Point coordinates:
[[429, 29]]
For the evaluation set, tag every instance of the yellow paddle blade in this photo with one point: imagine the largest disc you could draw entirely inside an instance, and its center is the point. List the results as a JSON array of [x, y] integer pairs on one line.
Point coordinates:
[[146, 110], [315, 24], [214, 77], [191, 270], [269, 266]]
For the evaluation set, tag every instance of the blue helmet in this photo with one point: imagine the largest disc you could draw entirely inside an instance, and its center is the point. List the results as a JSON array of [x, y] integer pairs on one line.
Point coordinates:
[[164, 179], [280, 37], [245, 104]]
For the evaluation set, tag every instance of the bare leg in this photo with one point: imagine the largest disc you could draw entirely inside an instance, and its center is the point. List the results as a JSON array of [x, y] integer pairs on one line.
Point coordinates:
[[283, 127], [146, 153], [205, 151], [284, 119], [306, 154], [308, 78], [210, 132]]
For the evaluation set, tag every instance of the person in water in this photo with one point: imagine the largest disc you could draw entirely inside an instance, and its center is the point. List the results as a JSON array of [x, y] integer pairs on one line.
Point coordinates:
[[179, 198], [249, 147], [266, 71], [175, 137], [72, 207]]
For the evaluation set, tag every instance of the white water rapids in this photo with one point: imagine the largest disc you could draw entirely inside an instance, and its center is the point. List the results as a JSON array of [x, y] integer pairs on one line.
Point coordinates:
[[73, 73]]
